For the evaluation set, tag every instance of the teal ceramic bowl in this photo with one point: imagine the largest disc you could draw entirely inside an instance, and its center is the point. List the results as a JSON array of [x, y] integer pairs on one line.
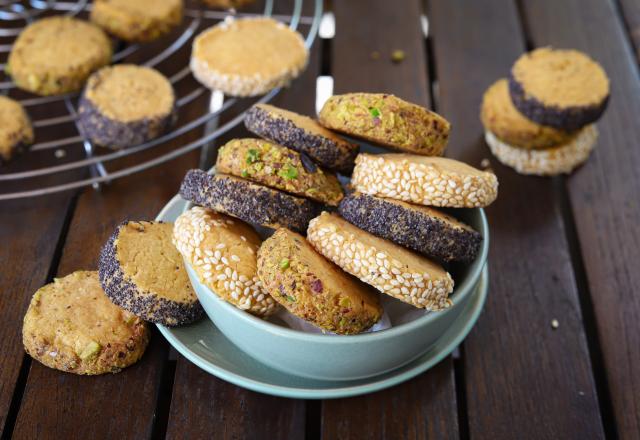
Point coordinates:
[[336, 358]]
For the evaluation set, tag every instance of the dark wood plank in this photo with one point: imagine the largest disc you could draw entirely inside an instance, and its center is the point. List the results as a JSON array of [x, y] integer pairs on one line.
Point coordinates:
[[604, 193], [631, 14], [426, 406], [523, 379]]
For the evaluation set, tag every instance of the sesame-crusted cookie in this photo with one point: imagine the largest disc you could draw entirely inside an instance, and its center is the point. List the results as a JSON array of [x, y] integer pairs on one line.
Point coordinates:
[[16, 131], [500, 117], [302, 134], [142, 272], [387, 120], [137, 20], [431, 181], [423, 229], [313, 288], [390, 268], [248, 201], [72, 326], [227, 4], [126, 105], [552, 161], [57, 54], [280, 168], [248, 56], [565, 89], [223, 252]]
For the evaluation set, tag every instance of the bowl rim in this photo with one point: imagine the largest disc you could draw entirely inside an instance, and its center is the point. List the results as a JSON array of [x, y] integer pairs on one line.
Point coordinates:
[[459, 293]]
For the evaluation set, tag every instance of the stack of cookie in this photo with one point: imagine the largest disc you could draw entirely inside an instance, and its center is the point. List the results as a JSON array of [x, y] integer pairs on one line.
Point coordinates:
[[541, 119]]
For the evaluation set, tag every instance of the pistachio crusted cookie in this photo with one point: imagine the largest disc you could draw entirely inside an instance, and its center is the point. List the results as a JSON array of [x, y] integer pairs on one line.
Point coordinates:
[[314, 289], [431, 181], [302, 134], [142, 272], [126, 105], [386, 266], [248, 201], [564, 89], [280, 168], [248, 56], [72, 326], [387, 120], [500, 117], [57, 54], [420, 228], [223, 252], [16, 131], [560, 159], [137, 20]]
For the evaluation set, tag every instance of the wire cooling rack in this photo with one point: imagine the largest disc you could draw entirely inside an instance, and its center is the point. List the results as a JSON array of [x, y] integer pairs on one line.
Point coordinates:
[[31, 181]]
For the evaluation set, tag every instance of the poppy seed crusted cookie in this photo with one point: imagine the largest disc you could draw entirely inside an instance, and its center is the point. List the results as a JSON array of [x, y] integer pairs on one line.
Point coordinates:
[[248, 201], [126, 105], [302, 134], [142, 272], [16, 131], [280, 168], [387, 120], [390, 268], [420, 228], [72, 326], [564, 89], [313, 288]]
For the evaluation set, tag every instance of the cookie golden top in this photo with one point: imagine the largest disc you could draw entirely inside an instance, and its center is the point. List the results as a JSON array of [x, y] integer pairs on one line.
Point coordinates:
[[560, 77], [15, 127], [250, 47], [129, 93], [141, 10], [499, 116]]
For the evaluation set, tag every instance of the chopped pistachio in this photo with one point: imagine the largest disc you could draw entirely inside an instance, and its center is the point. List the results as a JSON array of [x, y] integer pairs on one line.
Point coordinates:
[[284, 263], [345, 302], [258, 166], [375, 112], [244, 173], [253, 155], [92, 349], [397, 56], [291, 298], [290, 172]]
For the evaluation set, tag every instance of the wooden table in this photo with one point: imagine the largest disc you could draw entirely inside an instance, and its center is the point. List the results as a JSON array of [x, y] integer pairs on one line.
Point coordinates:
[[564, 248]]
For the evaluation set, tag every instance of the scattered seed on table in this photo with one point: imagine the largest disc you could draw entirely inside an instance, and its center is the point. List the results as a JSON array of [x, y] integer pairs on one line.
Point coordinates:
[[398, 56], [555, 324]]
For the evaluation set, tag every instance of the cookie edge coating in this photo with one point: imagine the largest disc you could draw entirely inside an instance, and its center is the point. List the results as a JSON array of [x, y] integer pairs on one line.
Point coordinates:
[[285, 132], [141, 303], [426, 235], [569, 118], [200, 188], [100, 364]]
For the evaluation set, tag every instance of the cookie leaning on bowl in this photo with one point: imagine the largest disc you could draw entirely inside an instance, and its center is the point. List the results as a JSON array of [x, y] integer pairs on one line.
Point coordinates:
[[223, 252], [420, 228], [280, 168], [314, 289], [142, 272], [72, 326], [390, 268], [387, 120], [302, 134], [16, 131], [431, 181]]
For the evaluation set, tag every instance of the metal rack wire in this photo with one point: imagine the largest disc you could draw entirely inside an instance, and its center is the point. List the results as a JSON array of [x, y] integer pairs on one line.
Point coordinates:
[[195, 20]]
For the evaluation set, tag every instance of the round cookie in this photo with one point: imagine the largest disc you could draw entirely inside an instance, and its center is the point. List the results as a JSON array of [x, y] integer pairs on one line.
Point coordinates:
[[564, 89], [223, 252], [248, 201], [500, 117], [142, 272], [420, 228], [126, 105], [314, 289], [16, 131], [302, 134], [431, 181], [387, 120], [137, 20], [280, 168], [548, 162], [386, 266], [56, 55], [248, 56], [72, 326]]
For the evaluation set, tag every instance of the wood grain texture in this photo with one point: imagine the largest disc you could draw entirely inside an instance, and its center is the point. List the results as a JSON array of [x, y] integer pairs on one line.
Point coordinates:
[[604, 193], [631, 14], [523, 378], [425, 406]]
